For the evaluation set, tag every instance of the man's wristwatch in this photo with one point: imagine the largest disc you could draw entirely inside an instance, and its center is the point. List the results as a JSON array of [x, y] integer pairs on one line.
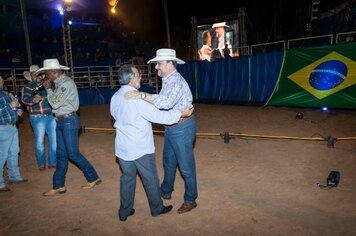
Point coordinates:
[[143, 95]]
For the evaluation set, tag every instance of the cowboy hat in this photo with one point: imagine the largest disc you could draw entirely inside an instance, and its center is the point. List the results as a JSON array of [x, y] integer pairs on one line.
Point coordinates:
[[51, 64], [166, 54], [221, 24], [27, 74]]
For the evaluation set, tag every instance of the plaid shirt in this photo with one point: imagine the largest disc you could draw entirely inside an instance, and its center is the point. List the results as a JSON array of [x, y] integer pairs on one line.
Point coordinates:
[[175, 93], [28, 95], [7, 114]]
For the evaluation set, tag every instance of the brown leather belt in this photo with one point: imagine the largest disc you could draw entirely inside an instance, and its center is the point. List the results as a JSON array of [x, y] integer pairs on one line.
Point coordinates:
[[179, 122], [65, 116]]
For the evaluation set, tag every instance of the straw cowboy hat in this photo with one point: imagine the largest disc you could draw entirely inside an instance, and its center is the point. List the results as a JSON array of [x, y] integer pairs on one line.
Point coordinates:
[[28, 74], [51, 64], [166, 54], [221, 24]]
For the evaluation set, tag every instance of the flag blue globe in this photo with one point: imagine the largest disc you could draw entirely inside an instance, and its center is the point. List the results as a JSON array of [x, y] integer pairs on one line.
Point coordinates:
[[328, 75]]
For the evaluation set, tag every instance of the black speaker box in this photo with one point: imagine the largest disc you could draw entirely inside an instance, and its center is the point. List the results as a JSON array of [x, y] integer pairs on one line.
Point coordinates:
[[333, 179]]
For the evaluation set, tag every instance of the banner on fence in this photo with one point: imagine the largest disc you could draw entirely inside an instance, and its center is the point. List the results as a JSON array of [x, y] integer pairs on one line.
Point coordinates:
[[317, 77]]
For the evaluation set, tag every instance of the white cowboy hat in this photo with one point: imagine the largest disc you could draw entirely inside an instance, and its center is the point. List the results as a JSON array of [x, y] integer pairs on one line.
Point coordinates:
[[51, 64], [27, 74], [221, 24], [166, 54]]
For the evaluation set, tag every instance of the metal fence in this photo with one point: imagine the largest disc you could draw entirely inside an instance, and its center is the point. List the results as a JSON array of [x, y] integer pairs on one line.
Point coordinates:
[[86, 77], [320, 40]]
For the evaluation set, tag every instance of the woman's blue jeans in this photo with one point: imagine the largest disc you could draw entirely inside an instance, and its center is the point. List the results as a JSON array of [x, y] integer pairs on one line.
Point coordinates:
[[67, 148], [42, 125], [178, 150]]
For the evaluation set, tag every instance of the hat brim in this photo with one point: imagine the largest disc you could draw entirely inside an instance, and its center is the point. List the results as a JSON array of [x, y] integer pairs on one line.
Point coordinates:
[[51, 68], [217, 26], [166, 58], [27, 75]]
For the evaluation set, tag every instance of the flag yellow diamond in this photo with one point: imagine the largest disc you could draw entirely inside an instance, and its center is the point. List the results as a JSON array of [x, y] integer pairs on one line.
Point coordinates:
[[301, 77]]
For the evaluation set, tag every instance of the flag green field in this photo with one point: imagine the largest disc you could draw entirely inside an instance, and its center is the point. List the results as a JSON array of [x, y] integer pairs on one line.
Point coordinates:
[[317, 77]]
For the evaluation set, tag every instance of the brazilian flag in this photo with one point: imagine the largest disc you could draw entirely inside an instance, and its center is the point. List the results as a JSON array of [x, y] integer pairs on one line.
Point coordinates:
[[317, 77]]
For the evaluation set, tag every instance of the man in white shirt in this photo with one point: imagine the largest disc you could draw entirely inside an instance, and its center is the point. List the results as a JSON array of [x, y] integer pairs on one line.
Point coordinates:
[[220, 30], [134, 144]]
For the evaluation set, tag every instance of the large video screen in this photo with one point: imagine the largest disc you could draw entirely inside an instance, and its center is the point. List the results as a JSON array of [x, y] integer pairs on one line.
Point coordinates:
[[218, 40]]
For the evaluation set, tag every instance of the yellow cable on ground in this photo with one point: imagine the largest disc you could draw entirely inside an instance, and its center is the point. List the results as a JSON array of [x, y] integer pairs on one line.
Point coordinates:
[[102, 129], [346, 138], [154, 131], [239, 135], [275, 137]]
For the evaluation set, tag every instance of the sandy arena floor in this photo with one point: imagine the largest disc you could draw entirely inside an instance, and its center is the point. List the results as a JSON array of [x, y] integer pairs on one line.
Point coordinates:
[[249, 186]]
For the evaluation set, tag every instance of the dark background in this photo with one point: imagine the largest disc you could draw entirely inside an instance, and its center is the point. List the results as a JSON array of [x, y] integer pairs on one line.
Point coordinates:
[[267, 20]]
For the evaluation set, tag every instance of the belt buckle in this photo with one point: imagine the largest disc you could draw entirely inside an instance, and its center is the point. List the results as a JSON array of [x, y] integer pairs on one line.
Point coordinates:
[[65, 116]]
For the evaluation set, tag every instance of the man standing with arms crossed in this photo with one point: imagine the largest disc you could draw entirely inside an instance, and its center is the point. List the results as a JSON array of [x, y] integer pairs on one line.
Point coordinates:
[[179, 138]]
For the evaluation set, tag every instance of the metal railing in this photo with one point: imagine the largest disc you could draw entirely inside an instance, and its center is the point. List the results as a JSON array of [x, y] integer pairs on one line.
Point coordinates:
[[86, 77], [89, 77], [272, 46], [319, 40], [345, 37], [311, 41]]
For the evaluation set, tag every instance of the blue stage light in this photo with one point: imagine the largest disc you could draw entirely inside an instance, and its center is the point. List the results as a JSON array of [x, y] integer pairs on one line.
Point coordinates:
[[324, 109]]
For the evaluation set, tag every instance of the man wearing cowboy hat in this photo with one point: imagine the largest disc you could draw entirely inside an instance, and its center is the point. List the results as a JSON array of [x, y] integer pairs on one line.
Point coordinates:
[[220, 30], [41, 118], [134, 145], [64, 101], [178, 139], [9, 138]]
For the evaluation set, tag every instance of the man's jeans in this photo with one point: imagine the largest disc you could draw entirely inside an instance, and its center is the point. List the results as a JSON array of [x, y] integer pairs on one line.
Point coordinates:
[[9, 152], [41, 125], [178, 150], [146, 166], [67, 148]]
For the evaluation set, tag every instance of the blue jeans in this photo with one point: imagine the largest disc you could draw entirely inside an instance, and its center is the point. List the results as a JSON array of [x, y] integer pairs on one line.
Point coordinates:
[[9, 152], [67, 148], [42, 125], [178, 150], [146, 166]]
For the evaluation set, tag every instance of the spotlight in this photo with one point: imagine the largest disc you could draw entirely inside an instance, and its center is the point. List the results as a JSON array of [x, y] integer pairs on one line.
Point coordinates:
[[299, 115], [324, 109]]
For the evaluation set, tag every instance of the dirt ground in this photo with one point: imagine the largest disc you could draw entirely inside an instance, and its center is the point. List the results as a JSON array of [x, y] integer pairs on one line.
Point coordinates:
[[249, 186]]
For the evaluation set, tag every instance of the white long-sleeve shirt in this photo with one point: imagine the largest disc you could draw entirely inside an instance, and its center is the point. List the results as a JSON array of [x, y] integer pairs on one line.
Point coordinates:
[[133, 117]]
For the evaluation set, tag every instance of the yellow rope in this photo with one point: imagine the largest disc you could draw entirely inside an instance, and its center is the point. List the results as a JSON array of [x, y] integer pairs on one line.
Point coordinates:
[[238, 135], [275, 137], [346, 138], [102, 129]]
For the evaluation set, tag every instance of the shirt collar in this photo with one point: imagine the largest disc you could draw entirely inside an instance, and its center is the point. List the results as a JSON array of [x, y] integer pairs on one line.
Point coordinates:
[[167, 76], [59, 79]]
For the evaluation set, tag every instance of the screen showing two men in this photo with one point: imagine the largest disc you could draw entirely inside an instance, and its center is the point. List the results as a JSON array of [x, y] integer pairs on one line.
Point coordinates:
[[218, 40]]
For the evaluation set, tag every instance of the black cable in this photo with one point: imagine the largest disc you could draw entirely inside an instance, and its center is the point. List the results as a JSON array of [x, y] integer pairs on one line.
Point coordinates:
[[324, 187]]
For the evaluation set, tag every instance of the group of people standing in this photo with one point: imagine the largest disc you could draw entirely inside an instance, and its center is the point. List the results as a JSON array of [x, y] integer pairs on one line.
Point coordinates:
[[52, 101], [53, 109]]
